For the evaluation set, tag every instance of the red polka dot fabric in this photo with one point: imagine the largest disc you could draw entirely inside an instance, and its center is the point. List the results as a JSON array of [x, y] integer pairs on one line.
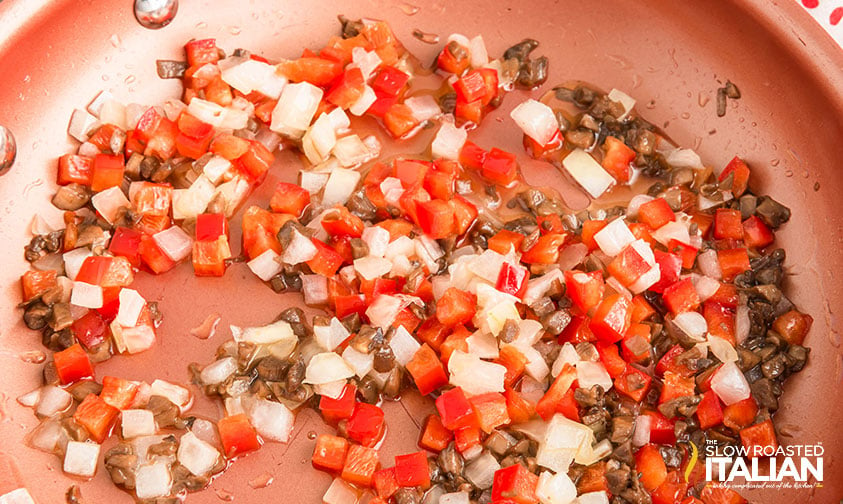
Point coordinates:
[[829, 14]]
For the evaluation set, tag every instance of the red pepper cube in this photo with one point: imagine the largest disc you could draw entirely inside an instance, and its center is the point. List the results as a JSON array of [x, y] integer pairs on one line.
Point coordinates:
[[290, 199], [675, 386], [347, 305], [739, 171], [670, 266], [650, 466], [440, 184], [390, 81], [628, 266], [202, 51], [229, 146], [733, 262], [348, 89], [612, 318], [504, 241], [589, 229], [467, 438], [399, 119], [436, 218], [96, 416], [547, 405], [434, 436], [514, 361], [237, 435], [385, 483], [669, 362], [611, 359], [633, 383], [756, 234], [72, 364], [760, 439], [326, 262], [90, 329], [366, 424], [329, 452], [727, 224], [500, 167], [469, 111], [709, 410], [162, 143], [151, 199], [720, 321], [455, 410], [490, 81], [519, 409], [681, 297], [154, 258], [35, 283], [641, 309], [685, 251], [427, 370], [545, 250], [584, 289], [193, 148], [662, 429], [126, 243], [255, 162], [453, 59], [741, 414], [210, 226], [617, 159], [361, 462], [512, 280], [107, 171], [464, 214], [490, 410], [411, 470], [471, 87], [656, 213], [456, 307], [341, 408], [118, 392], [74, 169], [339, 221], [209, 257], [515, 483], [472, 156], [381, 105]]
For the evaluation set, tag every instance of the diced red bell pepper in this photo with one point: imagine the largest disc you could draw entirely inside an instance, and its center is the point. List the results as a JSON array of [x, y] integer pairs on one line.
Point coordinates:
[[669, 362], [193, 127], [101, 138], [733, 262], [546, 407], [584, 289], [466, 438], [385, 483], [90, 329], [399, 120], [315, 70], [465, 214], [237, 435], [326, 262], [107, 171], [210, 226], [519, 409], [740, 414], [154, 258], [290, 199], [255, 162], [740, 171], [340, 222], [390, 81], [472, 87], [469, 112], [193, 148], [515, 483], [118, 392], [551, 223], [72, 364], [633, 383], [74, 169], [500, 167], [110, 304], [347, 305], [727, 224], [490, 81], [720, 321], [490, 410], [545, 250], [96, 416], [641, 309], [439, 184], [713, 493], [472, 156], [455, 410], [434, 436], [229, 146], [366, 424], [589, 229], [577, 331], [650, 466], [617, 158], [793, 326], [361, 462], [209, 257], [455, 341], [612, 318], [93, 269], [436, 218], [671, 490], [427, 370], [411, 470], [341, 408], [676, 385], [709, 410], [641, 231], [512, 280], [760, 439], [126, 243], [348, 89], [147, 125], [162, 143], [670, 266], [456, 307], [329, 452], [681, 297], [505, 241], [260, 230], [454, 58], [628, 266], [656, 213], [662, 429], [150, 198], [756, 234], [611, 359], [433, 333], [37, 282], [202, 51], [514, 361], [568, 406], [637, 352], [685, 251]]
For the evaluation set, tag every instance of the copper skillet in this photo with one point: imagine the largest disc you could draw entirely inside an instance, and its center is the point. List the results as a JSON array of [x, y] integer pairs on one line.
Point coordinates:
[[56, 55]]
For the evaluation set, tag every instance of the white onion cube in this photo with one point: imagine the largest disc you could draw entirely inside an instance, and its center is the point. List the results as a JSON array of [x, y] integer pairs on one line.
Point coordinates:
[[587, 172], [80, 458], [153, 480], [196, 455], [137, 422]]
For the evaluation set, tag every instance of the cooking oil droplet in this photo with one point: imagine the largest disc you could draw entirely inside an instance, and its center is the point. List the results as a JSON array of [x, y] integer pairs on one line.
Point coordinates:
[[427, 38], [805, 174], [129, 79], [816, 186], [35, 145], [311, 435], [207, 328], [115, 40], [775, 162], [788, 173], [703, 99], [409, 9], [105, 78], [636, 81], [262, 481], [224, 495], [26, 79], [620, 60], [33, 356], [201, 25], [685, 115], [651, 104], [234, 30]]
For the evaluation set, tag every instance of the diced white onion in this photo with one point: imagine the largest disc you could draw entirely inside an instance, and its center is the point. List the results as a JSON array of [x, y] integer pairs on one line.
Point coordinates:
[[339, 492], [365, 101], [672, 231], [108, 203], [377, 239], [330, 336], [593, 373], [424, 107], [351, 151], [742, 324], [319, 139], [538, 286], [80, 458], [96, 104], [18, 496], [327, 367], [300, 249], [206, 111], [404, 346], [252, 75], [174, 242], [730, 384], [392, 190], [133, 339], [536, 120], [272, 333], [73, 260], [265, 266], [452, 498], [372, 267], [137, 422], [555, 489], [635, 203], [587, 172], [709, 264], [176, 394], [361, 362], [692, 323], [130, 307], [722, 349], [82, 124], [705, 286], [314, 289], [339, 187], [614, 237], [448, 141], [641, 430], [53, 400], [218, 371], [475, 376], [593, 498], [86, 295], [153, 480], [624, 99], [483, 345], [366, 61], [647, 280], [215, 168], [481, 470], [479, 54], [198, 456], [272, 420], [684, 158], [295, 109]]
